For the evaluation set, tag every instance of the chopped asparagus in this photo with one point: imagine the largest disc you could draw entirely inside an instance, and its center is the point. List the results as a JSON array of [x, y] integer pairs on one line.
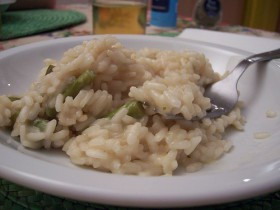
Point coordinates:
[[51, 112], [72, 90], [40, 123], [82, 81], [50, 69], [111, 114], [135, 110], [13, 98]]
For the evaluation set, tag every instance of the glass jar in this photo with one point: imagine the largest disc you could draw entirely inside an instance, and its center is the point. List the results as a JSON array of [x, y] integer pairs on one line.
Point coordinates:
[[119, 16]]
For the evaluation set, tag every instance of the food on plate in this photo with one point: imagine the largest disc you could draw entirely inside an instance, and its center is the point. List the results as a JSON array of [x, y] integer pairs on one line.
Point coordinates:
[[271, 114], [261, 135], [90, 103]]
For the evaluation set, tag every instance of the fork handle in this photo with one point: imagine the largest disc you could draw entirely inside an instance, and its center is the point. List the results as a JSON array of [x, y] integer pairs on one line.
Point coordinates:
[[243, 65], [264, 56]]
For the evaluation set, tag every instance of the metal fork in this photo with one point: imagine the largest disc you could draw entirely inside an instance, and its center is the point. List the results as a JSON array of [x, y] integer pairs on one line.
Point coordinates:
[[224, 94]]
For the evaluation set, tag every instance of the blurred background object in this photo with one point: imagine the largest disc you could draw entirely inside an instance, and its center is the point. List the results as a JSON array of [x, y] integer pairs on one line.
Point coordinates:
[[4, 4], [233, 10], [29, 17], [262, 14], [119, 17], [232, 19], [32, 4], [207, 13], [164, 13]]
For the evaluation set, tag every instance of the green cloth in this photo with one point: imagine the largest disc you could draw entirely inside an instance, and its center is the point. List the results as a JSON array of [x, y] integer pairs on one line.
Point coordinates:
[[28, 22], [15, 197]]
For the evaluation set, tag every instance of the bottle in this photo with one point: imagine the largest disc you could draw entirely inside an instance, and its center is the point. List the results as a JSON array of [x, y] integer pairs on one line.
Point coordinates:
[[207, 13], [164, 13]]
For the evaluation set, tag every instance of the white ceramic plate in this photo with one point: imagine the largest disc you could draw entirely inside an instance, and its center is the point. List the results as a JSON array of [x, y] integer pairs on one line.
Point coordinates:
[[252, 168]]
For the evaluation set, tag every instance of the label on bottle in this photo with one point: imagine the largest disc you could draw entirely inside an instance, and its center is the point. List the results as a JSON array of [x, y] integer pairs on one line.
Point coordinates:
[[160, 5], [212, 7], [164, 13]]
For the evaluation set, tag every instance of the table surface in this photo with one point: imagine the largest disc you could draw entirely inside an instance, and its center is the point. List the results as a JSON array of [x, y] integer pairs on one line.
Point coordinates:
[[13, 196]]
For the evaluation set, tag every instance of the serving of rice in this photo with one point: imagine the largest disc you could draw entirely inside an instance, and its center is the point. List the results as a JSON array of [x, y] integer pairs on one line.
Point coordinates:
[[95, 127]]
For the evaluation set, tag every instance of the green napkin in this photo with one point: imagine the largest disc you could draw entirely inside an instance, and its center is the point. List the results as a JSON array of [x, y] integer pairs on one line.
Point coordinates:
[[28, 22]]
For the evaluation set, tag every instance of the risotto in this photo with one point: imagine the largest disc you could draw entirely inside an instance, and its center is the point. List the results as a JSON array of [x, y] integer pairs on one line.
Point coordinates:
[[97, 104]]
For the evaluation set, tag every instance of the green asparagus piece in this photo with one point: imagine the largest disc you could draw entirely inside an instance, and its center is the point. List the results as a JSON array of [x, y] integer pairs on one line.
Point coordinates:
[[50, 69], [112, 113], [13, 98], [78, 84], [135, 110], [40, 123], [51, 112], [72, 89]]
